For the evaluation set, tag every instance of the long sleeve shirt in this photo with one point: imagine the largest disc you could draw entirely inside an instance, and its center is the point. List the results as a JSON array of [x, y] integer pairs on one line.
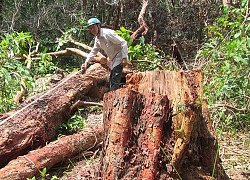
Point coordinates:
[[114, 46]]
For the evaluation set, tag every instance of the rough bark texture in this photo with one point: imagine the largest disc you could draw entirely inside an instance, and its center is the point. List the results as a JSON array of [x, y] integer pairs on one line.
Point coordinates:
[[133, 129], [34, 123], [29, 165], [158, 127]]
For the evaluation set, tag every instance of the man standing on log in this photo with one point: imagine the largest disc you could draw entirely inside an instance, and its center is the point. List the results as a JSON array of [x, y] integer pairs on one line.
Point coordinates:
[[114, 46]]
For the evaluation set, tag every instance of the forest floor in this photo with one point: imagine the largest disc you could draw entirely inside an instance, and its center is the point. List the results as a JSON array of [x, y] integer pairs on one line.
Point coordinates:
[[234, 153]]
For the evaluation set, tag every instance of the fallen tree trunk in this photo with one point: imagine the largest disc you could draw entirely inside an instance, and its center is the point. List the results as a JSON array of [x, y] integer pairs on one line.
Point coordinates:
[[35, 122], [29, 165], [158, 127]]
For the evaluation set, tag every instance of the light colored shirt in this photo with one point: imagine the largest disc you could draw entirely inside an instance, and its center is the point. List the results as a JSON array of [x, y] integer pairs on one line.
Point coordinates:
[[114, 46]]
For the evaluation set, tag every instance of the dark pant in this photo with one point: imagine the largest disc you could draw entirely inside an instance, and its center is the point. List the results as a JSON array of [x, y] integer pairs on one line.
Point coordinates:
[[115, 77]]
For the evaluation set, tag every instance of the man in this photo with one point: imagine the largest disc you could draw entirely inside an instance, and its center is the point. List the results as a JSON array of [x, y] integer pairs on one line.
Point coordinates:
[[114, 46]]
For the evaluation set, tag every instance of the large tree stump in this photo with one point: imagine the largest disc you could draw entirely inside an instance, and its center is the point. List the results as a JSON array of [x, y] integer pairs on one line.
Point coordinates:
[[36, 120], [158, 127], [133, 128]]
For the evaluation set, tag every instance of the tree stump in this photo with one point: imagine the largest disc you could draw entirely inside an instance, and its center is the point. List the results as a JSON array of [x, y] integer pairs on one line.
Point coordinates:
[[158, 127]]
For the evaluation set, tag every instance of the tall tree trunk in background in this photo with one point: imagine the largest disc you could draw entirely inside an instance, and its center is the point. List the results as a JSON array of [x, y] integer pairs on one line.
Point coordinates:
[[158, 127]]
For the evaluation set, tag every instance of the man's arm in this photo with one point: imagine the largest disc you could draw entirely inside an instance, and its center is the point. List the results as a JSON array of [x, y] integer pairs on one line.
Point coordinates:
[[92, 54]]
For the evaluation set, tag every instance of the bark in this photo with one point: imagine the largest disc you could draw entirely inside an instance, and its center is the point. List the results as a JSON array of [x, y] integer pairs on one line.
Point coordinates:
[[158, 127], [29, 165], [34, 123], [133, 127]]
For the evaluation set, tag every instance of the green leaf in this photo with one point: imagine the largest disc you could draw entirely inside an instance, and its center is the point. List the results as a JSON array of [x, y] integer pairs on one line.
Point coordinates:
[[237, 35], [209, 45], [227, 64], [243, 3], [244, 61], [6, 74], [248, 42]]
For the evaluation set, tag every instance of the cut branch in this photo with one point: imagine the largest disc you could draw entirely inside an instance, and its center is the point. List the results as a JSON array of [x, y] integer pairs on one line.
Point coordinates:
[[71, 40], [83, 103]]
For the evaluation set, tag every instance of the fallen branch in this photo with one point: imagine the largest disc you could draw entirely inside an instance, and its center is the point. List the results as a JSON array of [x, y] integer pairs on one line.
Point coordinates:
[[83, 103], [29, 165], [144, 27], [99, 57], [83, 46], [68, 51]]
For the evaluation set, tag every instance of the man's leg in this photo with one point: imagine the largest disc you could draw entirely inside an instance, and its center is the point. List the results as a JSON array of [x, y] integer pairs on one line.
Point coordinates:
[[115, 77]]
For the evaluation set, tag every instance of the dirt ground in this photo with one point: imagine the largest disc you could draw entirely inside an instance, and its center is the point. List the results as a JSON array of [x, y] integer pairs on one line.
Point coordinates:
[[234, 153]]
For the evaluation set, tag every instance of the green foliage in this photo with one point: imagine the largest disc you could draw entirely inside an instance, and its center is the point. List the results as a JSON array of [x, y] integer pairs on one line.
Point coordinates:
[[43, 173], [12, 71], [74, 123], [125, 34], [18, 43], [43, 66], [141, 51], [95, 109], [227, 84]]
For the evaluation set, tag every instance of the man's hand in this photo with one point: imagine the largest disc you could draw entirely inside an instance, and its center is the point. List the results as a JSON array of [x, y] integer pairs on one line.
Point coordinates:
[[124, 62]]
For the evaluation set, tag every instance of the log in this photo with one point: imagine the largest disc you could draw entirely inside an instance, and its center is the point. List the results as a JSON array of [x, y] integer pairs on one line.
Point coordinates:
[[29, 165], [158, 127], [35, 122]]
